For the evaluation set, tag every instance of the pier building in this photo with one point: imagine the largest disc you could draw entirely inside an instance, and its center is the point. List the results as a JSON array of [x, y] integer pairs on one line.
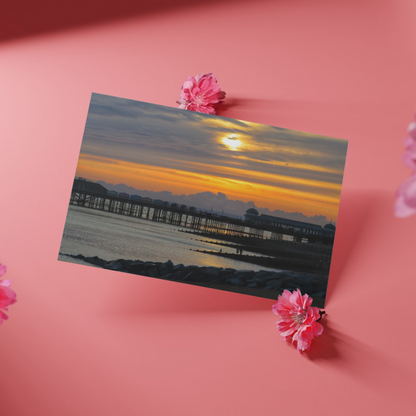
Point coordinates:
[[300, 229]]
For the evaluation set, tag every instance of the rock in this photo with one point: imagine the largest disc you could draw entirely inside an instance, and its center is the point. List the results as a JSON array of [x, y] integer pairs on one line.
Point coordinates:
[[274, 284], [113, 265], [203, 278], [191, 267], [153, 272], [148, 265], [235, 281], [263, 275], [288, 280], [224, 277], [178, 267], [95, 260], [178, 276], [163, 269], [136, 267], [273, 276], [253, 285], [246, 274], [212, 273], [189, 276], [241, 277], [167, 276], [126, 263], [169, 264]]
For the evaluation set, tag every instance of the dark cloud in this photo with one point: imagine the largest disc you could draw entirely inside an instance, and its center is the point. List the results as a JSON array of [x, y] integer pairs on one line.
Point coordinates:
[[190, 135]]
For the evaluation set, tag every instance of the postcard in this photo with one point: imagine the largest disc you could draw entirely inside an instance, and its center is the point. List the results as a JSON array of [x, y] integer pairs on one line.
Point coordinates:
[[204, 200]]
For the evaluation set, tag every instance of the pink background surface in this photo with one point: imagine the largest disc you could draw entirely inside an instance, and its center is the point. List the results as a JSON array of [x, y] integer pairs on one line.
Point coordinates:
[[85, 341]]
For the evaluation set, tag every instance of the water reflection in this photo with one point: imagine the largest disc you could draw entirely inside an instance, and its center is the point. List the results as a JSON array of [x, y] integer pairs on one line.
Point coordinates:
[[111, 236]]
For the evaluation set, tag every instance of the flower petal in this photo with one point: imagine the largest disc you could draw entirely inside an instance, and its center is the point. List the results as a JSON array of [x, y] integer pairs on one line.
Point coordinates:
[[412, 129], [405, 204]]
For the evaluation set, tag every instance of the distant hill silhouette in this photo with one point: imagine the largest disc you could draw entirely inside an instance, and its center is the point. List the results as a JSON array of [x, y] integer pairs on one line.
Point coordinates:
[[219, 203]]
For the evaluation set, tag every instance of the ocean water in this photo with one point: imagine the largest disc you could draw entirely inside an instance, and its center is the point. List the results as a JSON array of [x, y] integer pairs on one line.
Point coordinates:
[[110, 236]]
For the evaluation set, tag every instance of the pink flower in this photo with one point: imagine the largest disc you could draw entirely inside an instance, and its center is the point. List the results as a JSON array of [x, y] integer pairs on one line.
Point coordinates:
[[411, 129], [409, 158], [405, 204], [7, 295], [201, 94], [297, 318]]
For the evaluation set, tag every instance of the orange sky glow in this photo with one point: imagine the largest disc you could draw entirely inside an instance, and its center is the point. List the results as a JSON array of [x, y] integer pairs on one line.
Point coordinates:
[[255, 186]]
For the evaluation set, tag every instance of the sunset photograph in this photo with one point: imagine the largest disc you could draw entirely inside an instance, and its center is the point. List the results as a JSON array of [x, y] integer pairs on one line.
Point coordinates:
[[202, 199]]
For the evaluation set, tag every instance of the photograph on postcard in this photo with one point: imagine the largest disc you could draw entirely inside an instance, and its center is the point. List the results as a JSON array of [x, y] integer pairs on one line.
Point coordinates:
[[204, 200]]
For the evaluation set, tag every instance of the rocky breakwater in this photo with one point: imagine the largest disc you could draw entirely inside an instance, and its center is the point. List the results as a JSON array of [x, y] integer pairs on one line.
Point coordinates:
[[248, 281]]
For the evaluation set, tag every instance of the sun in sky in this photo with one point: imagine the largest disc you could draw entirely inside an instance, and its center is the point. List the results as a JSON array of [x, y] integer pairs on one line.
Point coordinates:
[[157, 149], [232, 142]]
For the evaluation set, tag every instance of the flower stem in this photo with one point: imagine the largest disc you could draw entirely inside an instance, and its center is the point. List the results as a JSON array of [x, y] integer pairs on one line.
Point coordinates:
[[321, 313]]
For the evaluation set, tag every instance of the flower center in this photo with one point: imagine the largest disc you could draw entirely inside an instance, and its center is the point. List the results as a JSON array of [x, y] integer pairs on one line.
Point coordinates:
[[298, 317], [200, 99]]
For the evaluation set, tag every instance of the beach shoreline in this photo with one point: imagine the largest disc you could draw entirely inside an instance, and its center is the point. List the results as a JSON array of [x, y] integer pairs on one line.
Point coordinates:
[[264, 283]]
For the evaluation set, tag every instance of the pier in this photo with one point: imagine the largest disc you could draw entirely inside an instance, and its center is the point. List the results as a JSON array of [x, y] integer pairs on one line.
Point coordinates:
[[206, 222]]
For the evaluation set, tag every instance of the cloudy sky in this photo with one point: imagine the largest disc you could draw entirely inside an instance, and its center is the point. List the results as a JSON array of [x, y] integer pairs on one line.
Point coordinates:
[[160, 148]]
